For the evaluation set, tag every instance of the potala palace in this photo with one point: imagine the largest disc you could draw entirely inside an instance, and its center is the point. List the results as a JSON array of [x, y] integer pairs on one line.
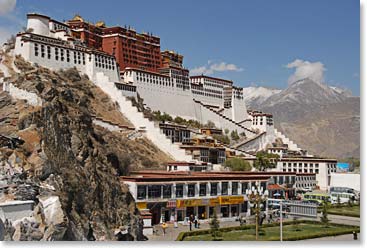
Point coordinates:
[[126, 65]]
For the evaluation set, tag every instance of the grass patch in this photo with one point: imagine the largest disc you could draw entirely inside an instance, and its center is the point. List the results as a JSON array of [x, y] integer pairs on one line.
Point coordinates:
[[344, 210], [271, 232]]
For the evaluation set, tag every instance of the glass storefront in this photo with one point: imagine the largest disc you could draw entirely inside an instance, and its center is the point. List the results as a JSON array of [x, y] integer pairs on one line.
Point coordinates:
[[224, 210]]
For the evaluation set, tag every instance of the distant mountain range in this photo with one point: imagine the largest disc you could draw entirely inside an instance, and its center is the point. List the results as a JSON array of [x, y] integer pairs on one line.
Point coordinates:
[[322, 119]]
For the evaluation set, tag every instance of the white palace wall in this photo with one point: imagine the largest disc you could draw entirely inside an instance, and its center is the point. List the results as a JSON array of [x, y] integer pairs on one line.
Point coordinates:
[[48, 49], [163, 95]]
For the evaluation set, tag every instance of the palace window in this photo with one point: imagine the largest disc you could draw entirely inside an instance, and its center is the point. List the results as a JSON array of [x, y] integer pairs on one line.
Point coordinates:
[[142, 192], [62, 54], [48, 52], [190, 190], [35, 49], [179, 190], [42, 51], [213, 188]]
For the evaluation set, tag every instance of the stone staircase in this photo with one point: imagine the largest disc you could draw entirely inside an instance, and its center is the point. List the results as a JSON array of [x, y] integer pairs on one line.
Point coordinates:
[[291, 145], [225, 118], [139, 121], [244, 142]]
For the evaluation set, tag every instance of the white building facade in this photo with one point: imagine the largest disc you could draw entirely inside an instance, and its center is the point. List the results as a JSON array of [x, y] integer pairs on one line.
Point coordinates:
[[323, 168], [48, 43]]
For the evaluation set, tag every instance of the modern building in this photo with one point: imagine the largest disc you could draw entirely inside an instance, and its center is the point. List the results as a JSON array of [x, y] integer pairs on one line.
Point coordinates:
[[323, 168], [175, 195]]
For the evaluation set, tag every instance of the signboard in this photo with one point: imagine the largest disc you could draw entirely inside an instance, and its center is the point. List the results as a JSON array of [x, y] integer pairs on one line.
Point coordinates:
[[226, 200], [189, 203], [141, 205], [171, 204], [213, 202]]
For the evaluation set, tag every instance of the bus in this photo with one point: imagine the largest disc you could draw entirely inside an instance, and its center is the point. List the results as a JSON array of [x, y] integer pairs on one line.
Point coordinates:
[[342, 189], [319, 198], [343, 196]]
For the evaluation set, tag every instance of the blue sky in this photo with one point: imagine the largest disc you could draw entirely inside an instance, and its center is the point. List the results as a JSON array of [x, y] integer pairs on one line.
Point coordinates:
[[257, 42]]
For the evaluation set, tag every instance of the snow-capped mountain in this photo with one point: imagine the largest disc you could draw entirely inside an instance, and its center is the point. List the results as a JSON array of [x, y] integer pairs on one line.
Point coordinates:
[[304, 92], [255, 96], [311, 113]]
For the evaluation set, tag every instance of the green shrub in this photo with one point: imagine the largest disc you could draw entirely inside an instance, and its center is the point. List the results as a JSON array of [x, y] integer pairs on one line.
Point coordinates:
[[237, 164], [301, 235]]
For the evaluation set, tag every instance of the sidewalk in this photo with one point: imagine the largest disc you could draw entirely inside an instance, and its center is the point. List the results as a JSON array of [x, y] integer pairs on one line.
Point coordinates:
[[172, 233]]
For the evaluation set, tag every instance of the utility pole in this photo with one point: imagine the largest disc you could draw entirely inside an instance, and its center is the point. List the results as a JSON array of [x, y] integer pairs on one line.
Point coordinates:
[[281, 220]]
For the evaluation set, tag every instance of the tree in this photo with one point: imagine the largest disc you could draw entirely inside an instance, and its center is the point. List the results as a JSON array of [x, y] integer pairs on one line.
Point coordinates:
[[222, 138], [179, 120], [237, 164], [210, 124], [234, 135], [265, 160], [214, 226], [324, 219]]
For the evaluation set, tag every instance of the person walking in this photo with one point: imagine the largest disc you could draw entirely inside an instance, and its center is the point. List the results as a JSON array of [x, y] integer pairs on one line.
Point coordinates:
[[196, 221], [164, 227]]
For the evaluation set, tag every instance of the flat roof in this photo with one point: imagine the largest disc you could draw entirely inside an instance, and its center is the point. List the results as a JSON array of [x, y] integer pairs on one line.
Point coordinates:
[[313, 159], [220, 79], [164, 176]]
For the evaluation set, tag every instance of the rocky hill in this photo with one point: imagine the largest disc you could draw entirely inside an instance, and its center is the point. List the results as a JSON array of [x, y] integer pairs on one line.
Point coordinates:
[[322, 119], [56, 155]]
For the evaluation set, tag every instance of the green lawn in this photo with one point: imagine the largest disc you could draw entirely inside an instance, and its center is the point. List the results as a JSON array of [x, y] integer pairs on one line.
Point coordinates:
[[290, 232], [345, 210]]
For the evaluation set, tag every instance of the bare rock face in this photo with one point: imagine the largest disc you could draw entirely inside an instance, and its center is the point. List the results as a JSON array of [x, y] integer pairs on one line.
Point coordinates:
[[64, 166]]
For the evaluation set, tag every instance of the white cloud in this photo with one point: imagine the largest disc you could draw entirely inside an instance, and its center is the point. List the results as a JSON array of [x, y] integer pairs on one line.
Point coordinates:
[[7, 6], [212, 67], [306, 69]]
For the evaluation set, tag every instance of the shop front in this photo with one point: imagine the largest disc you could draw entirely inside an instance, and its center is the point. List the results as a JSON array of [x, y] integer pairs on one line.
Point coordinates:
[[158, 210]]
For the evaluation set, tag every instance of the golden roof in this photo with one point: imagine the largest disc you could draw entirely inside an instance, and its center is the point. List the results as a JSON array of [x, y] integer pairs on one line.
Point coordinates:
[[100, 24], [77, 17]]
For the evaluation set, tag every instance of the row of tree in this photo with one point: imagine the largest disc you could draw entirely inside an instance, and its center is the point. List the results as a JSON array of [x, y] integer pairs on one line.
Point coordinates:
[[263, 162]]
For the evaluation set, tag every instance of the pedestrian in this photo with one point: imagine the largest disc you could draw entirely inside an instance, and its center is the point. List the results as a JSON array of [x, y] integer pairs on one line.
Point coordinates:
[[196, 221], [190, 224], [175, 224], [164, 226]]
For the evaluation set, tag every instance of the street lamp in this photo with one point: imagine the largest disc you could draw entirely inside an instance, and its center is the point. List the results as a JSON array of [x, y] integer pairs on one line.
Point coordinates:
[[257, 196]]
